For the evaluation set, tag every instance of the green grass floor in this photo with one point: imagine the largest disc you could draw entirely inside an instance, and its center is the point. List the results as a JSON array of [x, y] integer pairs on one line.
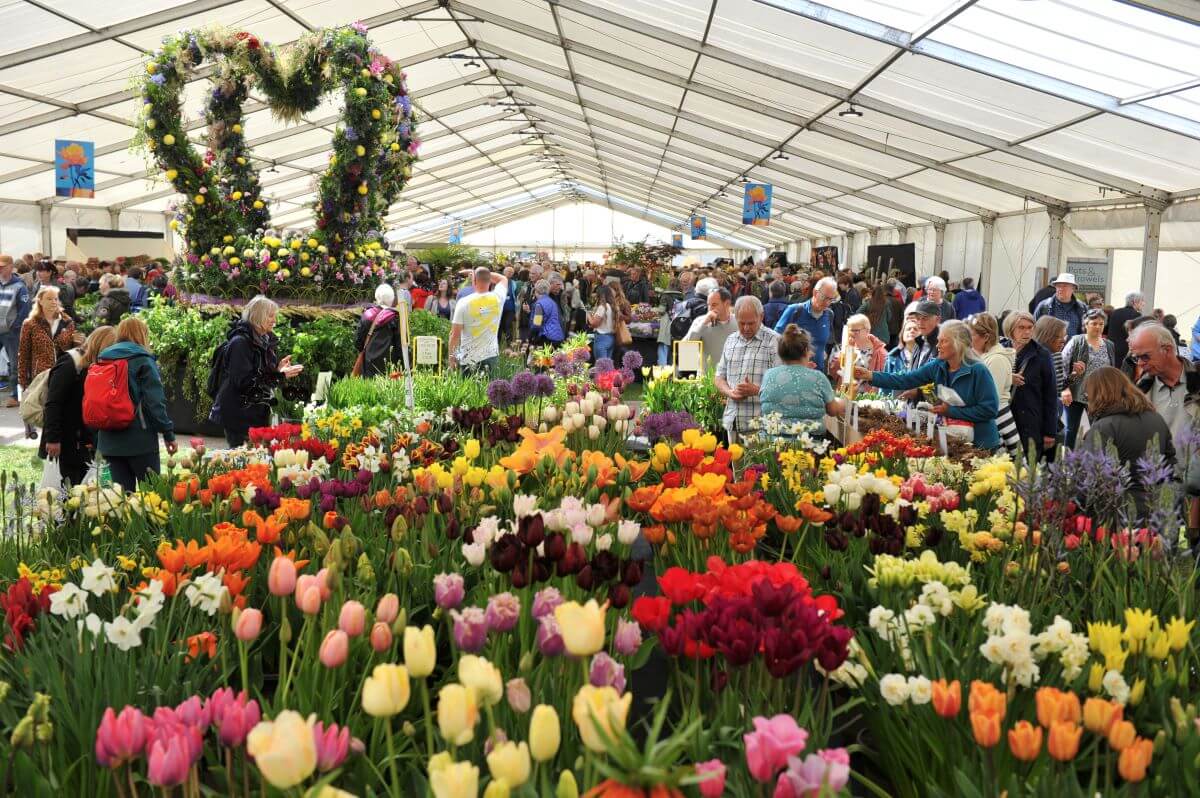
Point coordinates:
[[23, 461]]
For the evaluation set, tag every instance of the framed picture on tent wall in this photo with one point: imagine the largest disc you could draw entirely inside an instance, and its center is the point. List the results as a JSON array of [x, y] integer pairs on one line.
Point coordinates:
[[825, 258], [893, 260]]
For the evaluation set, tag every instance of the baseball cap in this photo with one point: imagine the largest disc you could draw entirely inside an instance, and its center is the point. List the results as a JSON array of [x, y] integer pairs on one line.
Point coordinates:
[[922, 307]]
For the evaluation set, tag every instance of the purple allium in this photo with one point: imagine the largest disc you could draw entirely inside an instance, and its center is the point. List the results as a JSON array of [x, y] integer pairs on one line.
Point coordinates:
[[500, 393], [545, 385], [632, 360], [470, 629], [607, 672], [524, 385], [448, 590], [668, 425], [604, 364], [503, 612]]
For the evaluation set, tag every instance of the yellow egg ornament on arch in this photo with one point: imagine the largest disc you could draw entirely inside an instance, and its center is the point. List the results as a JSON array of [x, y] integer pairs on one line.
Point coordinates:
[[198, 199], [172, 174], [363, 189], [306, 272]]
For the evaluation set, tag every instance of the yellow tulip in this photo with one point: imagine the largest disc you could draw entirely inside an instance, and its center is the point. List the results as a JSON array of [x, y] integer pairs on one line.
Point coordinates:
[[1179, 631], [509, 762], [582, 627], [386, 691], [1096, 677], [283, 749], [1138, 623], [420, 651], [736, 451], [1103, 636], [691, 438], [567, 786], [1137, 692], [457, 713], [708, 443], [471, 449], [544, 733], [454, 780], [599, 709], [1158, 645], [482, 676], [497, 788]]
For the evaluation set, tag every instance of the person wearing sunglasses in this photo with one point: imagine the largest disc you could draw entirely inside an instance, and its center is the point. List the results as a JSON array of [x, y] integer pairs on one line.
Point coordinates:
[[1170, 382]]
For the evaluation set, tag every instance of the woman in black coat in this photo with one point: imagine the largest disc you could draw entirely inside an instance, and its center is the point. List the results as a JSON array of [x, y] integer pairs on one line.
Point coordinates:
[[64, 436], [378, 335], [1034, 393], [250, 369]]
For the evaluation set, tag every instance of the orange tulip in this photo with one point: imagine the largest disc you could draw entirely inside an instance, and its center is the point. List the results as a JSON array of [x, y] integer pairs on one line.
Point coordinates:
[[1135, 759], [987, 700], [1121, 735], [1025, 741], [235, 583], [814, 513], [947, 698], [206, 496], [654, 534], [180, 492], [1099, 715], [329, 518], [194, 554], [1063, 742], [986, 728], [1055, 705], [172, 558], [788, 524], [295, 509], [270, 530], [205, 642]]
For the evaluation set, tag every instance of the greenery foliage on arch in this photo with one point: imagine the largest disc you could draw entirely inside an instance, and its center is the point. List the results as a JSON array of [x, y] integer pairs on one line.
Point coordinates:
[[231, 248]]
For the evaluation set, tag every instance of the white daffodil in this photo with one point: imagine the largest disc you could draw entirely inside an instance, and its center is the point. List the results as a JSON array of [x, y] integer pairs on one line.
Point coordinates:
[[70, 602], [98, 578], [206, 593], [123, 634]]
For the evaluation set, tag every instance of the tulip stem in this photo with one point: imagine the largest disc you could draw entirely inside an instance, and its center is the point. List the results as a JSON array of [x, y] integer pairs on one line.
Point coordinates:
[[117, 781], [229, 769], [129, 775], [243, 661], [428, 716], [391, 748], [282, 642]]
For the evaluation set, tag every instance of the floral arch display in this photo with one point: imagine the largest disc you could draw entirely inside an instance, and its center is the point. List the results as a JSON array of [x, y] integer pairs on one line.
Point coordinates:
[[231, 249]]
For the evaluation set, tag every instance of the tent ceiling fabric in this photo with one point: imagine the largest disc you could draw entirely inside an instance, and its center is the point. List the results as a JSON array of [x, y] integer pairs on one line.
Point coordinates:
[[969, 108]]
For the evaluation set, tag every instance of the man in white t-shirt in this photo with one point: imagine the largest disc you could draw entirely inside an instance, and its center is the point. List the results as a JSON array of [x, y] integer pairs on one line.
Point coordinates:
[[474, 340]]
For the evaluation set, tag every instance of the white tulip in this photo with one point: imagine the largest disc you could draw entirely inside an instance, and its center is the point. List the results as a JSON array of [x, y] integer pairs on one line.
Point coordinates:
[[571, 408], [603, 542], [593, 432], [833, 492], [550, 414], [600, 422]]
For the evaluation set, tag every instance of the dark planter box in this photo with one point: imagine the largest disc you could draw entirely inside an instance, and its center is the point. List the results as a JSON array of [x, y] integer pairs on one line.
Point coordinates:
[[183, 410]]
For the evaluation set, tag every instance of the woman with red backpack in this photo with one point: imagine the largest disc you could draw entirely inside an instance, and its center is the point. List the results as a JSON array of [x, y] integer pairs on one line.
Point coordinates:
[[123, 400]]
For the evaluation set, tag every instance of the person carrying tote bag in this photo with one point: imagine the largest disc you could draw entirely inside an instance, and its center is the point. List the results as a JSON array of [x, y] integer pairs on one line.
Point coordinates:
[[985, 340]]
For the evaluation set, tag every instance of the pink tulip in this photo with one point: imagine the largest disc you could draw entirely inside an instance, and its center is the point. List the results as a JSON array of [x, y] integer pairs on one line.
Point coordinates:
[[193, 712], [323, 583], [771, 743], [713, 786], [333, 745], [334, 649], [281, 579], [236, 721], [167, 726], [353, 618], [388, 608], [221, 698], [248, 625], [168, 762], [381, 637], [120, 738]]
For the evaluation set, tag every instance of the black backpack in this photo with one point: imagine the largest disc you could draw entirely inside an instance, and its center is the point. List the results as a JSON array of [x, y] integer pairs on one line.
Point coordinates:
[[216, 371], [684, 313]]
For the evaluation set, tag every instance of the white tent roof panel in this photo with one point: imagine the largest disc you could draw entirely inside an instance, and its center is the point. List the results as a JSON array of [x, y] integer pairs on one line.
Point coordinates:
[[659, 107]]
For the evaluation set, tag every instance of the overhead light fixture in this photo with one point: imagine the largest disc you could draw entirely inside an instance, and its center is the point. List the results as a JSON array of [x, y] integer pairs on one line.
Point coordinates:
[[850, 111]]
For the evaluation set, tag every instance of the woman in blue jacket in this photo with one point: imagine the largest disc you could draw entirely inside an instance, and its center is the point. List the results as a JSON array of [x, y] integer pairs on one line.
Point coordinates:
[[955, 367], [545, 325]]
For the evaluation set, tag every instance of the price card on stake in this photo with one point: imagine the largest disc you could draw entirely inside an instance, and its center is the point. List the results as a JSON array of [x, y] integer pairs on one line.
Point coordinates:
[[428, 349], [689, 359]]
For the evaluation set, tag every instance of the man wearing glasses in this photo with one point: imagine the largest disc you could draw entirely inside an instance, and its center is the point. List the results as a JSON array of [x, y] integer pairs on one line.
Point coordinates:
[[815, 317]]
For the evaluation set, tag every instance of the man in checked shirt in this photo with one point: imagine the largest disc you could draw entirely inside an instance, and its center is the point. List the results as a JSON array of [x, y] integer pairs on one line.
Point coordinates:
[[745, 359]]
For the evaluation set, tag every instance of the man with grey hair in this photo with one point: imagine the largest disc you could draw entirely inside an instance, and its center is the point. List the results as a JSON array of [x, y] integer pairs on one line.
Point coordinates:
[[1171, 382], [815, 317], [475, 327], [1135, 302], [745, 358]]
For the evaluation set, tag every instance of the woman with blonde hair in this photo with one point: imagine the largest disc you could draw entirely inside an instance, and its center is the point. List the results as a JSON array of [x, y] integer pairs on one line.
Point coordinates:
[[985, 340], [65, 437], [132, 452], [1123, 416]]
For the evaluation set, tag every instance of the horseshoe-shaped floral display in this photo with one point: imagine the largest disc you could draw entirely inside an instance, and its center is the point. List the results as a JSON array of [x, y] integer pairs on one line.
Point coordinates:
[[231, 248]]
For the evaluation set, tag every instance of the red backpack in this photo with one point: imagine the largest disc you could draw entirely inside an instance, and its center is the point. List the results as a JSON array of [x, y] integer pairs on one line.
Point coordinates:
[[107, 403]]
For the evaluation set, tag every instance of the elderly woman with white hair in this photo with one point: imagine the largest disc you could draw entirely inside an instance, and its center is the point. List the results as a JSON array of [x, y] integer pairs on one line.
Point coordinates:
[[249, 368], [378, 337], [956, 368], [935, 292], [545, 323]]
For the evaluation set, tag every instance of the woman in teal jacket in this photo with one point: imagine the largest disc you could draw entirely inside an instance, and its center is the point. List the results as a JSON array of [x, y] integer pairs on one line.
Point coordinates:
[[955, 367], [132, 453]]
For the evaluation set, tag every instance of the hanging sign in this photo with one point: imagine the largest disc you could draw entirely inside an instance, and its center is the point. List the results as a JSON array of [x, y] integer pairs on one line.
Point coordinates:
[[699, 228], [756, 204], [74, 168], [456, 234], [677, 240]]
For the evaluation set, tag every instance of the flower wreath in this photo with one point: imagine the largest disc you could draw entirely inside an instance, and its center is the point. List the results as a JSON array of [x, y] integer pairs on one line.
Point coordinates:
[[232, 249]]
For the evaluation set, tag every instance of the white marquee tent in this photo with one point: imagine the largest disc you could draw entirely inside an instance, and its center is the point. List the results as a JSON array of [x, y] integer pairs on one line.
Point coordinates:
[[1000, 136]]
